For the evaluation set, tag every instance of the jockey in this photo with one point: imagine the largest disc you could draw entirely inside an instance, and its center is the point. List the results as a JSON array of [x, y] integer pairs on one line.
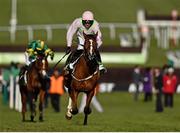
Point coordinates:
[[35, 47], [88, 25]]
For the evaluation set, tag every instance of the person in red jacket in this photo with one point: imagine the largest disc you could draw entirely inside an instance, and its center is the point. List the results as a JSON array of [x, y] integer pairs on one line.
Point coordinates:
[[56, 90], [169, 87]]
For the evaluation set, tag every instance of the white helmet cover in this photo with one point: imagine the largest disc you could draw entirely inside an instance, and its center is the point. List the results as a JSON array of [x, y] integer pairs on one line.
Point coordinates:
[[87, 15]]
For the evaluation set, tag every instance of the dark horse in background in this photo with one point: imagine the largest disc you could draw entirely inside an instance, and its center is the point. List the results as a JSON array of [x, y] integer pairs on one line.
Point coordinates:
[[35, 86], [83, 78]]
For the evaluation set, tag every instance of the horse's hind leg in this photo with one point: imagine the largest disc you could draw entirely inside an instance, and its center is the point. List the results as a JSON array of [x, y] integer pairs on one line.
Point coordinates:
[[32, 106], [41, 102], [87, 109], [23, 100]]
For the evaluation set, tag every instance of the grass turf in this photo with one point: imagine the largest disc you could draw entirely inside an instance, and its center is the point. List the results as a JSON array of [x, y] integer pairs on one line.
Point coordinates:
[[121, 113]]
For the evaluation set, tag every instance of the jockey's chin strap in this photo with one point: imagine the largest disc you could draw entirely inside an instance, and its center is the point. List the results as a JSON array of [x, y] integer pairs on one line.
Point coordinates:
[[83, 79]]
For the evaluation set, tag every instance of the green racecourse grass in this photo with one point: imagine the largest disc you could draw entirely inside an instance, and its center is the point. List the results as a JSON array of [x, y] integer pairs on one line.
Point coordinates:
[[121, 113]]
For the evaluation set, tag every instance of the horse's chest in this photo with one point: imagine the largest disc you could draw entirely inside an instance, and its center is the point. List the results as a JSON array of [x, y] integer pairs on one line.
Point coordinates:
[[35, 83], [83, 86]]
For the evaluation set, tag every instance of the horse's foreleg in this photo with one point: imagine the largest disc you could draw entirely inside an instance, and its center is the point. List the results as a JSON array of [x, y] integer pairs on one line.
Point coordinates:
[[69, 108], [41, 102], [74, 97], [87, 109]]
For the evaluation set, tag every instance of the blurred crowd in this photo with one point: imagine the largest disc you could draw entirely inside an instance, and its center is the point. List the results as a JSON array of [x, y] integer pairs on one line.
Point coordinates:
[[159, 81]]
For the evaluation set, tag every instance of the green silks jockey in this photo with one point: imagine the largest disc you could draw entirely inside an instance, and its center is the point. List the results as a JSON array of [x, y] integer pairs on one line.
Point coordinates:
[[35, 47]]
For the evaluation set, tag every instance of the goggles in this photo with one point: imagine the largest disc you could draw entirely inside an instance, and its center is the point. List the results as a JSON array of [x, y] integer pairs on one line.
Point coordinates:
[[87, 22]]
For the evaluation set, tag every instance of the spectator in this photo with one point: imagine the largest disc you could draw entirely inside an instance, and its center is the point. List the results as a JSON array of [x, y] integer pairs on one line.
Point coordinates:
[[5, 84], [15, 69], [136, 80], [56, 90], [158, 84], [169, 87], [147, 84]]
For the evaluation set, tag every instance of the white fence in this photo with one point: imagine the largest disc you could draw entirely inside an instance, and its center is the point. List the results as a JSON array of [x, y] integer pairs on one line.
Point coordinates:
[[49, 27], [14, 94]]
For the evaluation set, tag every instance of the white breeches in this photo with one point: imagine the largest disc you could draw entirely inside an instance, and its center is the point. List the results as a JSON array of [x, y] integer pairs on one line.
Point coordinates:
[[81, 43], [27, 61]]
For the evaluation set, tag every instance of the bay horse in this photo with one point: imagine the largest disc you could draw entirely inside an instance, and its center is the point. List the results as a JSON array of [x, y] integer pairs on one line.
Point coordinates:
[[35, 86], [84, 77]]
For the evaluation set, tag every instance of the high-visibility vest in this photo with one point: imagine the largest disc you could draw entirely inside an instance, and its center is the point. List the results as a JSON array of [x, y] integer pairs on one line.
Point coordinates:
[[56, 86]]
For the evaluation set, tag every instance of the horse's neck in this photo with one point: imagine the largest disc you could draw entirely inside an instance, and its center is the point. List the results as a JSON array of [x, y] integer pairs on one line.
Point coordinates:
[[82, 66]]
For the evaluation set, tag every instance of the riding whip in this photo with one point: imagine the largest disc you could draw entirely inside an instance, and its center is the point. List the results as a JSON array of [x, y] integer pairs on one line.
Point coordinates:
[[59, 61]]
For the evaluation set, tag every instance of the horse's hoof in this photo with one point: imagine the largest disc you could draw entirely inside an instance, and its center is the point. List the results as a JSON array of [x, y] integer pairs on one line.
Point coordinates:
[[68, 117], [84, 124], [74, 111], [87, 111]]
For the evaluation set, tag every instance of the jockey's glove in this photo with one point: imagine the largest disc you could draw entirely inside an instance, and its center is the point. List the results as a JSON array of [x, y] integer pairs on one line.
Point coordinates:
[[52, 55], [68, 50]]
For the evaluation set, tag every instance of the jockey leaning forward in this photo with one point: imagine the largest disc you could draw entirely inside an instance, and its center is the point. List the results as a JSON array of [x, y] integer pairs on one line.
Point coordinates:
[[33, 49], [88, 25]]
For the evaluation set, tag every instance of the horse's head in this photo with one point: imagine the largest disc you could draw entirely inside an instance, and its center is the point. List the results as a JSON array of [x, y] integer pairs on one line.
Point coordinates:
[[90, 45], [41, 64]]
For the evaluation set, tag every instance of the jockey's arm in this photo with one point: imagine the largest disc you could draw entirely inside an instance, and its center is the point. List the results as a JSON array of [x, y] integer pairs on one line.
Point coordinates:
[[48, 51], [30, 51], [99, 36], [71, 31]]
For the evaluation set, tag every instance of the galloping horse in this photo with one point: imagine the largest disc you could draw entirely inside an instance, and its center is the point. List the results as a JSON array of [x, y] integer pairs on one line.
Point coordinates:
[[83, 78], [36, 85]]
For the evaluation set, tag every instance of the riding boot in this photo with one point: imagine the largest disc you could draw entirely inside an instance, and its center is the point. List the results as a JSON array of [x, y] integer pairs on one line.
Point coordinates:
[[22, 74], [102, 69], [73, 59]]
